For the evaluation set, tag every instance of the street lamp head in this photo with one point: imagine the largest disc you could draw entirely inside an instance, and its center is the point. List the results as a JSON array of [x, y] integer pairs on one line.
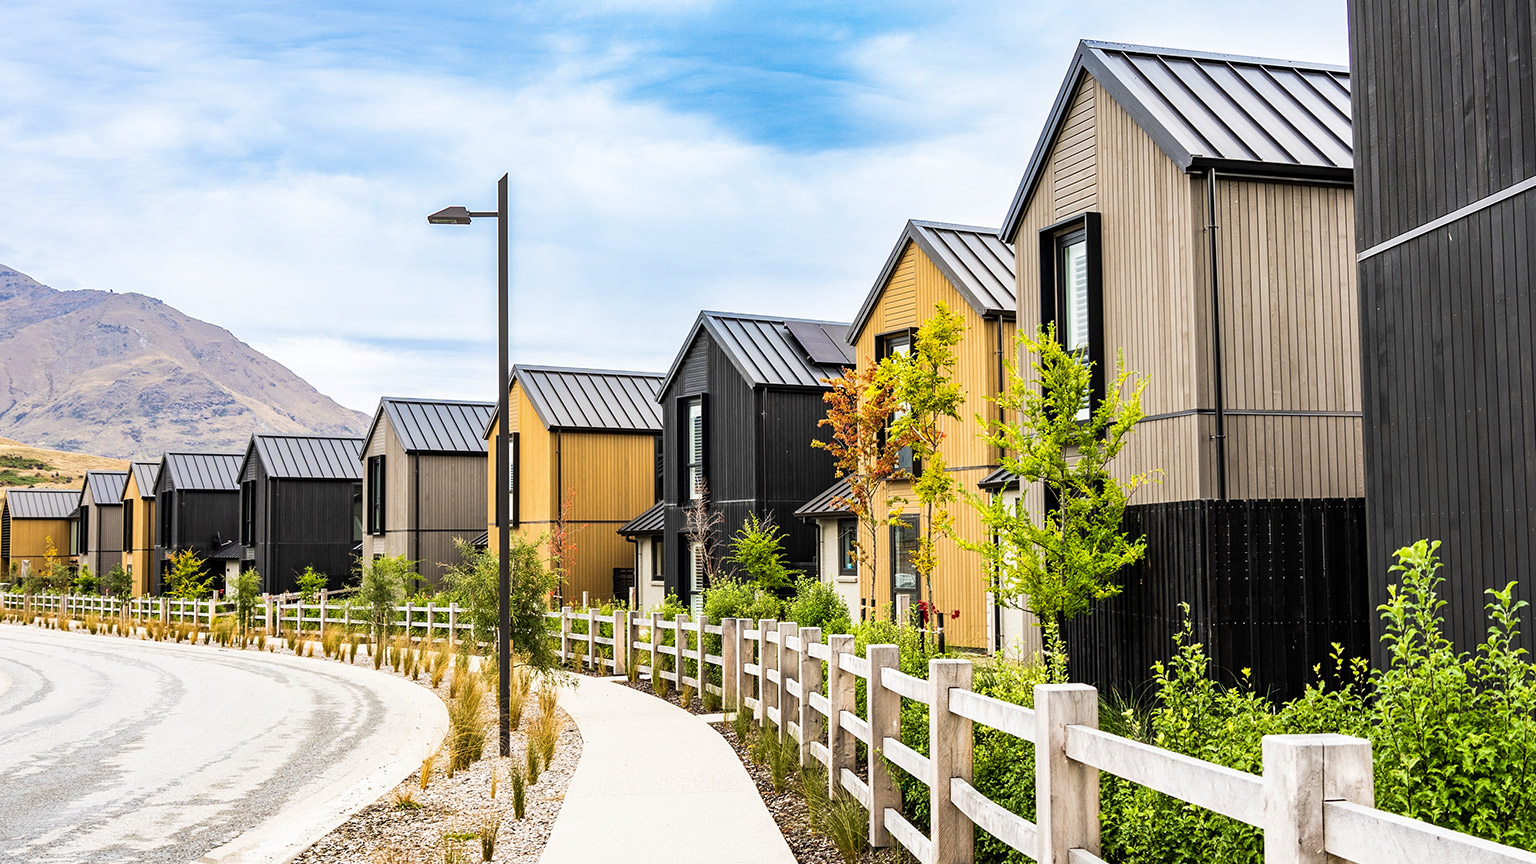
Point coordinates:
[[450, 216]]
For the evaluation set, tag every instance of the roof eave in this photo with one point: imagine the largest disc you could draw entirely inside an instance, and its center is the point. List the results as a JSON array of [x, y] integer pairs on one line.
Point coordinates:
[[1322, 174]]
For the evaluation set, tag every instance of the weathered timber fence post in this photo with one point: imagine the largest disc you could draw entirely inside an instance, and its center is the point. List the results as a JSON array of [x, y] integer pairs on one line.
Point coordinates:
[[631, 603], [884, 722], [730, 664], [841, 696], [699, 645], [621, 658], [565, 634], [655, 647], [1301, 772], [585, 603], [453, 624], [787, 666], [950, 752], [1066, 792], [592, 661], [767, 657], [812, 728]]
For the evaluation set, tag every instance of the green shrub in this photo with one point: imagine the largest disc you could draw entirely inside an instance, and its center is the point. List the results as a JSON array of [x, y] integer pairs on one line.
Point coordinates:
[[733, 599], [758, 550], [817, 604]]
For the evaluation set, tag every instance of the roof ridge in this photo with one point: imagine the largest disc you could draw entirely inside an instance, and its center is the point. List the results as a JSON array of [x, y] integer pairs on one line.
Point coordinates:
[[782, 319], [1195, 54], [955, 226], [422, 400], [583, 370], [313, 437]]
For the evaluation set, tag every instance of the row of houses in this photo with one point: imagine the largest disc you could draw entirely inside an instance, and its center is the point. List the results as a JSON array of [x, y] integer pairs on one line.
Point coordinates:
[[1191, 213]]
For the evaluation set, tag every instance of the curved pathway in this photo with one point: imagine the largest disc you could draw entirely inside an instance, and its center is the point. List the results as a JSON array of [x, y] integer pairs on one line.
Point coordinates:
[[116, 749], [656, 785]]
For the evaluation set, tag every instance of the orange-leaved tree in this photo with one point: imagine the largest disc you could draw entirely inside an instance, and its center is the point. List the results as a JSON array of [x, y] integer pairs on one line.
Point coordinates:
[[562, 543]]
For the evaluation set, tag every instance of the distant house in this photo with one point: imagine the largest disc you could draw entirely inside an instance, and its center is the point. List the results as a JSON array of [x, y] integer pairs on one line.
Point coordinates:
[[31, 519], [424, 480], [740, 407], [101, 520], [969, 270], [197, 508], [300, 504], [586, 440], [647, 532], [139, 524], [1195, 211]]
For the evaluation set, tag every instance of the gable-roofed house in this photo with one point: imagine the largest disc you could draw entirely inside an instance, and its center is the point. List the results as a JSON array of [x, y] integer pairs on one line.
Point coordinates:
[[424, 480], [1195, 211], [139, 524], [969, 270], [740, 407], [197, 507], [101, 520], [586, 440], [300, 504], [30, 521]]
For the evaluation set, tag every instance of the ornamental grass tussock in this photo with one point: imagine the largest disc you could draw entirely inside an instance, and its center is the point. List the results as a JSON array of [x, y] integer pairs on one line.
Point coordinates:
[[466, 724]]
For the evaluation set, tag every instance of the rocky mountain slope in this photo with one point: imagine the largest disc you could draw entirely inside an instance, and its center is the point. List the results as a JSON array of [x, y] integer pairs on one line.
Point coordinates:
[[125, 375]]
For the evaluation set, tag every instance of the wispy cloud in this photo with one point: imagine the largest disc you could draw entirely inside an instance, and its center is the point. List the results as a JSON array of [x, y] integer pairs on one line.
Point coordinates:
[[269, 168]]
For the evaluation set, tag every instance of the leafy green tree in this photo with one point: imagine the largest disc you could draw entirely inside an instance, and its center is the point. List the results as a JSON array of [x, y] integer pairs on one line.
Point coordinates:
[[117, 583], [186, 579], [383, 586], [1056, 564], [758, 549], [928, 395], [817, 604], [247, 594], [86, 581], [473, 585], [311, 583]]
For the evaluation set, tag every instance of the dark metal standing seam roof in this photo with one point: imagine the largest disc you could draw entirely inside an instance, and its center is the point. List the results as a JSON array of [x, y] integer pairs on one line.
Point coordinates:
[[1238, 114], [973, 259], [765, 352], [824, 505], [206, 472], [309, 457], [42, 503], [435, 425], [601, 399], [145, 474], [652, 521], [106, 486]]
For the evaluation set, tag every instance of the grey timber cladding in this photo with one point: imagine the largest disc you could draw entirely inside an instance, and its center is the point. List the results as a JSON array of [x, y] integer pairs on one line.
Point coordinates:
[[106, 486], [146, 474], [42, 503], [823, 504], [202, 471], [1244, 114], [973, 259], [764, 350], [309, 457], [436, 426], [652, 521], [568, 398]]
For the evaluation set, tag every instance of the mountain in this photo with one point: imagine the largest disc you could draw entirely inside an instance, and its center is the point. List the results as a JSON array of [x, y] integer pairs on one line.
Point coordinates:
[[125, 375]]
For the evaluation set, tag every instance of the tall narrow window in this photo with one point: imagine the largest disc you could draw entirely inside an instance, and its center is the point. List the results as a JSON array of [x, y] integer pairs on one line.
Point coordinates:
[[514, 466], [357, 512], [899, 344], [903, 552], [1071, 295], [1072, 300], [248, 513], [847, 552], [129, 541], [660, 468], [167, 508], [375, 504], [658, 560], [694, 429], [696, 578]]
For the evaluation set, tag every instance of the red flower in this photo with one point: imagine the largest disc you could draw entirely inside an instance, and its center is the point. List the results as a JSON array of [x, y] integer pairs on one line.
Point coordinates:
[[955, 614]]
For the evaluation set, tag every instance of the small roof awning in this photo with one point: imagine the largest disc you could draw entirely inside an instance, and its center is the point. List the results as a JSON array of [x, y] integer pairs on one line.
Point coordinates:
[[825, 505], [230, 551], [652, 521], [999, 480], [481, 540]]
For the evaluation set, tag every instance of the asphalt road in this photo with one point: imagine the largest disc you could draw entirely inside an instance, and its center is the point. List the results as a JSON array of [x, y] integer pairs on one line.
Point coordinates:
[[115, 749]]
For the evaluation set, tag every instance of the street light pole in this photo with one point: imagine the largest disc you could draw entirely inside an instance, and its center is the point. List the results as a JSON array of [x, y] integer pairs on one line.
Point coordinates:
[[462, 216]]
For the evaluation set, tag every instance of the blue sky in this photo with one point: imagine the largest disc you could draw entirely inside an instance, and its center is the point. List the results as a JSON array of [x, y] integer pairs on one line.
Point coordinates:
[[269, 166]]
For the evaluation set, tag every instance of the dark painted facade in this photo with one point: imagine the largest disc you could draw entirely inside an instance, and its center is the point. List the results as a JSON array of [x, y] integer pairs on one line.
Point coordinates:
[[1444, 125], [196, 508], [298, 511]]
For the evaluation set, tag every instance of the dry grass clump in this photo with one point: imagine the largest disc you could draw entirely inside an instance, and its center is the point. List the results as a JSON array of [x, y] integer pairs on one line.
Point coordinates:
[[466, 724], [426, 770], [847, 824], [404, 799], [331, 641], [519, 790], [392, 854], [531, 760], [488, 826], [440, 662]]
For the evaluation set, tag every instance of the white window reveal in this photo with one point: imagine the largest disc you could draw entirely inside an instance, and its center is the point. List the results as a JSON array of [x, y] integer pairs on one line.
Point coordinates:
[[695, 450]]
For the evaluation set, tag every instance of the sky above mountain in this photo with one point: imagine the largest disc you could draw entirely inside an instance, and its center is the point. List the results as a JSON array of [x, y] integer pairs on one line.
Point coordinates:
[[269, 166]]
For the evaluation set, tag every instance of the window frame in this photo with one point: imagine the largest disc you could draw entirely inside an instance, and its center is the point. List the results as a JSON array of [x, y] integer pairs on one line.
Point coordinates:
[[847, 559], [691, 491], [374, 506], [904, 460], [515, 481], [1054, 239], [658, 559], [247, 512]]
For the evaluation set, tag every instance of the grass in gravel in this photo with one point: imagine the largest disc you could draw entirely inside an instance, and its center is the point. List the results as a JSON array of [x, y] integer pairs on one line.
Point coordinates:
[[847, 824], [466, 724], [519, 790], [488, 827]]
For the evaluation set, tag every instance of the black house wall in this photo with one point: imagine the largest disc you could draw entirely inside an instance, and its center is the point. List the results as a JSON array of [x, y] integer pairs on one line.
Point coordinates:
[[310, 525], [200, 521], [1443, 118]]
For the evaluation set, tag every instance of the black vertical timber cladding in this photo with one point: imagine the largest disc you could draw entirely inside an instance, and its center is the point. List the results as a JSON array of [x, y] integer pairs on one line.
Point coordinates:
[[300, 523], [758, 456], [1445, 116], [1271, 585]]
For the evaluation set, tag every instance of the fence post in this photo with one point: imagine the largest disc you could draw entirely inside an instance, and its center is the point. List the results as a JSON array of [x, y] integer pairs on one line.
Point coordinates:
[[621, 642], [585, 604], [592, 660], [1066, 792], [767, 659], [811, 726], [786, 664], [565, 634], [884, 722], [730, 664], [631, 598], [841, 696], [453, 624], [699, 644], [950, 752], [1300, 773]]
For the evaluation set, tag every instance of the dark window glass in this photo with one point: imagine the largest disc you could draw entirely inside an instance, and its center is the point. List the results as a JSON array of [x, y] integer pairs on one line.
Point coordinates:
[[847, 559], [694, 426], [658, 560], [903, 549], [375, 504]]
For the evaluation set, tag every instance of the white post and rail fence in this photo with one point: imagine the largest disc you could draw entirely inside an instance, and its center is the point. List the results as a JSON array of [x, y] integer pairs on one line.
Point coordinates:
[[1313, 801]]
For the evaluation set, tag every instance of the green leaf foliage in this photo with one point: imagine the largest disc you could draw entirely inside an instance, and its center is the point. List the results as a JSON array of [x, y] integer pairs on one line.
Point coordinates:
[[474, 585], [758, 550]]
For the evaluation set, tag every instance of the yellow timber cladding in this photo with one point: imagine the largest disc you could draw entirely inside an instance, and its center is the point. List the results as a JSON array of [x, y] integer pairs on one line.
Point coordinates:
[[1287, 296], [138, 533], [603, 476], [915, 287]]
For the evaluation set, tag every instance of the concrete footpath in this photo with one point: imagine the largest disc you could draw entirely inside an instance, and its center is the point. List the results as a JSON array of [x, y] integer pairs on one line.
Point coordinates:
[[656, 784]]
